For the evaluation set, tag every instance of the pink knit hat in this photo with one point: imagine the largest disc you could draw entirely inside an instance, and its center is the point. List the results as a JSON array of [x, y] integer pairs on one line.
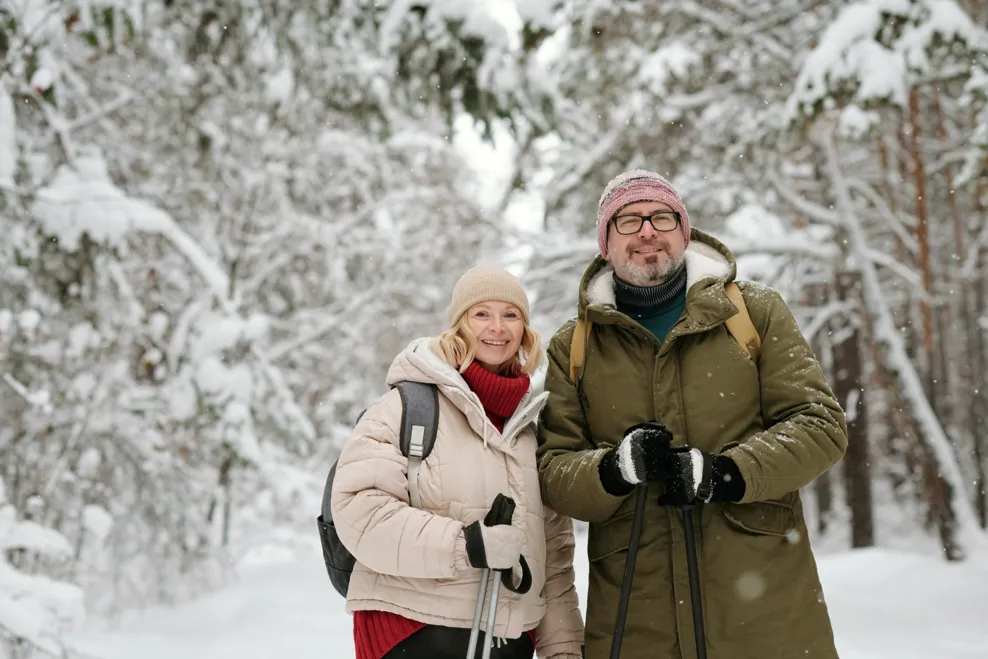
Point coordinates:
[[631, 187]]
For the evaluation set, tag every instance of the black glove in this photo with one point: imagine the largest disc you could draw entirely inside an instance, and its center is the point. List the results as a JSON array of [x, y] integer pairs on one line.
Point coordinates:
[[692, 476], [641, 457]]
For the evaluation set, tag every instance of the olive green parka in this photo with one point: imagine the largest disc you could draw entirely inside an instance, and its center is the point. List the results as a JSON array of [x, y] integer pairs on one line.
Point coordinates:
[[776, 417]]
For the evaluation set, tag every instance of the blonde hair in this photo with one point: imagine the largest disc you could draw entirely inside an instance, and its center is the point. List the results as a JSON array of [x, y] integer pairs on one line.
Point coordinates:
[[458, 347]]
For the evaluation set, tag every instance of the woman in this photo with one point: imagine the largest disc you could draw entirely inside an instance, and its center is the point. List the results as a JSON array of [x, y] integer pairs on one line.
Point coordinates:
[[414, 588]]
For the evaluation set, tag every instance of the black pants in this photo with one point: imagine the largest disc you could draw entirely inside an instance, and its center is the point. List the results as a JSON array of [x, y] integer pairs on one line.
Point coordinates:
[[434, 642]]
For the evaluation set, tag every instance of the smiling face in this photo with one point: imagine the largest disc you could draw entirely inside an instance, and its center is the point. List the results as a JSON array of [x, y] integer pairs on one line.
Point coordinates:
[[499, 328], [648, 257]]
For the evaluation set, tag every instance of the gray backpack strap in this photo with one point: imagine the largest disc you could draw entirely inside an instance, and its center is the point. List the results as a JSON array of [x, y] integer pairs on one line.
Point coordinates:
[[419, 424]]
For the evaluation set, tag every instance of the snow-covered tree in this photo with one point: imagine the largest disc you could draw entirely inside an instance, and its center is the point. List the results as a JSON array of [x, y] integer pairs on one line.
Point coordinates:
[[35, 610], [221, 222], [736, 103], [881, 61]]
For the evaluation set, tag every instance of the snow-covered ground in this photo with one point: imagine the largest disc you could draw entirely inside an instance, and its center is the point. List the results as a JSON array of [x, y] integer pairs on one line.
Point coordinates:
[[885, 605]]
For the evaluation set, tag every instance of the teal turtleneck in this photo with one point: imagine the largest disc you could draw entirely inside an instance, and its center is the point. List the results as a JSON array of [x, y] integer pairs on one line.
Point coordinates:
[[657, 307]]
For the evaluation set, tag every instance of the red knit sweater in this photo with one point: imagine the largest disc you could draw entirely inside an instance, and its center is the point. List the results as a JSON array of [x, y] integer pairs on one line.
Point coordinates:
[[375, 633]]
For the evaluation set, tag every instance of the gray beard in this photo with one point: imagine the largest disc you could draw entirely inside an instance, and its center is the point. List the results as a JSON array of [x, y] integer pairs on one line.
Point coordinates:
[[649, 274]]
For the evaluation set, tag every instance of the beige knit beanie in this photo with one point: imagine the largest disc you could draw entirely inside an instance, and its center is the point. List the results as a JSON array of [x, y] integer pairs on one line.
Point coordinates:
[[482, 284]]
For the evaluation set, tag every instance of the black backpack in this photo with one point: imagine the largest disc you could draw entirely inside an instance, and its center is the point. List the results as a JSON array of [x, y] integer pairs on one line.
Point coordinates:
[[419, 420]]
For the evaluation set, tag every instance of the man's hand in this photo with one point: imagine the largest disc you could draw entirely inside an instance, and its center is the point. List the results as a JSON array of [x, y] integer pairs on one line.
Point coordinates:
[[692, 476], [641, 457]]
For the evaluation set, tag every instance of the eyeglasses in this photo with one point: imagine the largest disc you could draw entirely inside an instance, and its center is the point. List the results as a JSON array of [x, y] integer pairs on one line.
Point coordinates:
[[628, 225]]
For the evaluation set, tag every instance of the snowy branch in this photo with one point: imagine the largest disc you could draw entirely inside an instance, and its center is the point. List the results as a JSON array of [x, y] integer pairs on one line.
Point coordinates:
[[39, 400], [333, 322], [603, 149], [684, 102], [801, 204], [57, 123], [81, 199], [912, 277], [971, 260], [946, 74], [824, 315], [780, 246], [96, 115], [716, 21], [905, 236]]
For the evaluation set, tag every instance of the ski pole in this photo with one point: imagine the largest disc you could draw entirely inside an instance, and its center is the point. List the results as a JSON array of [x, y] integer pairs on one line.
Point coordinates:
[[629, 572], [478, 612], [692, 566], [501, 512]]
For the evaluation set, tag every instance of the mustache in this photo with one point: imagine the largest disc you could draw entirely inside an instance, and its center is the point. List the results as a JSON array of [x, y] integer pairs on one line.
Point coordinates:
[[648, 244]]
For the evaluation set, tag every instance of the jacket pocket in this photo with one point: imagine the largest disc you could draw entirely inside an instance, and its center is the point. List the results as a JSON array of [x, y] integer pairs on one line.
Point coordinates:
[[757, 571], [614, 537], [774, 518], [607, 549]]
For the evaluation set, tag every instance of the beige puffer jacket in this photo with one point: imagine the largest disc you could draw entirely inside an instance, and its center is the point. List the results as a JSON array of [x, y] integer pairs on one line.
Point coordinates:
[[412, 561]]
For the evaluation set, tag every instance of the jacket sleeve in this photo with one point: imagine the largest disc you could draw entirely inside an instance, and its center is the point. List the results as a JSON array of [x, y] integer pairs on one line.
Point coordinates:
[[568, 462], [371, 510], [561, 631], [806, 430]]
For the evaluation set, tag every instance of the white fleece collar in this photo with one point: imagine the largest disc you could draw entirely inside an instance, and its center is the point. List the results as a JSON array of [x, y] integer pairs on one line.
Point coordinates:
[[702, 262]]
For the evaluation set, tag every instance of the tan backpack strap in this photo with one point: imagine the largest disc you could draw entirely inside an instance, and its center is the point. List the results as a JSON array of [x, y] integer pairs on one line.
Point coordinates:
[[578, 348], [740, 325]]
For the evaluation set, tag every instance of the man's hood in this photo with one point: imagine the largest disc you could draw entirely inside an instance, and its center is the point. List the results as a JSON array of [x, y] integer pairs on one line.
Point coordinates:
[[708, 263]]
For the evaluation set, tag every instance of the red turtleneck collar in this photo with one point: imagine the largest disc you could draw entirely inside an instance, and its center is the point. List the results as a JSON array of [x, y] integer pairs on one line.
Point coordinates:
[[498, 394]]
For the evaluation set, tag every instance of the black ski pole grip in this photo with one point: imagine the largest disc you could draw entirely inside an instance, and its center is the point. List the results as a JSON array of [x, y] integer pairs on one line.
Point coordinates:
[[501, 512]]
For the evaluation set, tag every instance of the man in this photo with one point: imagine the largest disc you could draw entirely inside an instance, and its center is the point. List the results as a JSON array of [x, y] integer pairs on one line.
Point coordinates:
[[667, 399]]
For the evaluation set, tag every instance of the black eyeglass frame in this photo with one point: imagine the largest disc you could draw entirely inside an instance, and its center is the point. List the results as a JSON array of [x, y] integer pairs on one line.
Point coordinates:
[[641, 222]]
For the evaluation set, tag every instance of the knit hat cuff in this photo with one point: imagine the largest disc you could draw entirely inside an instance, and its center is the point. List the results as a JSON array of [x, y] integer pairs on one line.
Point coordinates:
[[485, 284]]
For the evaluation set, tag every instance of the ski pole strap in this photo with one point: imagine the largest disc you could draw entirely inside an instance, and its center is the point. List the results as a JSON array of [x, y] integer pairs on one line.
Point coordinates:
[[526, 579]]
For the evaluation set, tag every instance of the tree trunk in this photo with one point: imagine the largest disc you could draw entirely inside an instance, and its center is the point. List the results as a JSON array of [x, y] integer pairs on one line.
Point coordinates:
[[960, 533], [918, 456], [901, 316], [888, 189], [978, 417], [849, 389], [225, 487], [923, 236], [957, 390], [979, 352], [975, 12], [908, 327], [948, 175]]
